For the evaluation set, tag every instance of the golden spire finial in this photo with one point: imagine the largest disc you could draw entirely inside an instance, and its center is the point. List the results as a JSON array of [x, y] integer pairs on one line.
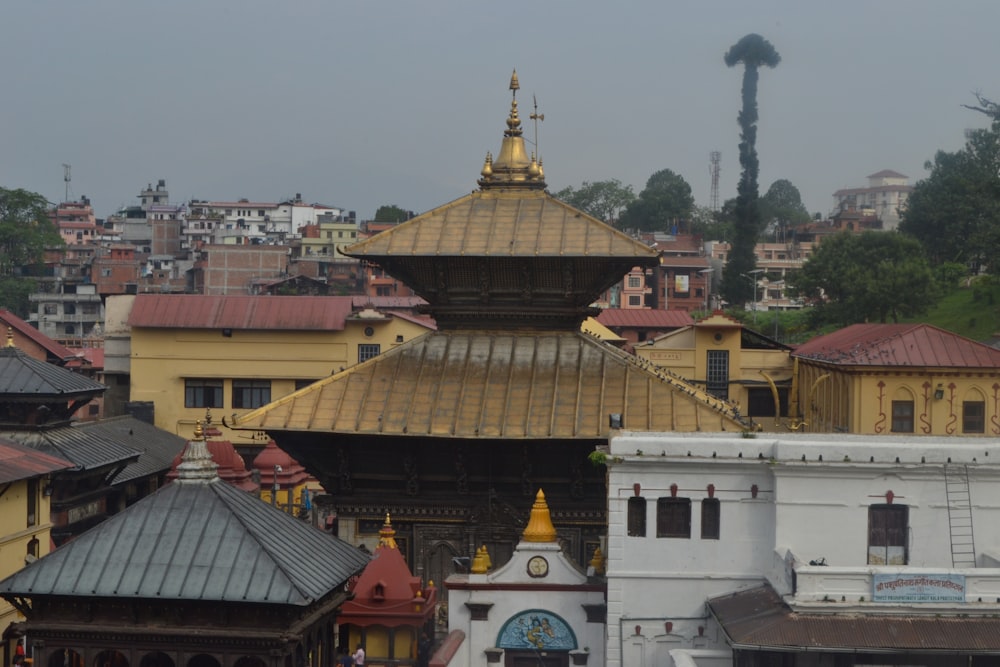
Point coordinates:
[[387, 534], [597, 561], [481, 561], [514, 85], [10, 337], [487, 166], [540, 528], [198, 433]]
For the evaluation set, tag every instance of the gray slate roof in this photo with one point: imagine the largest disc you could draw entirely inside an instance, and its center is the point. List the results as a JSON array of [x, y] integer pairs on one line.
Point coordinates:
[[26, 377], [206, 541]]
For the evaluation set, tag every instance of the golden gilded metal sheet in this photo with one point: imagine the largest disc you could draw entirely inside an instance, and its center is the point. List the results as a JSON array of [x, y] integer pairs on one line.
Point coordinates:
[[512, 223], [484, 384]]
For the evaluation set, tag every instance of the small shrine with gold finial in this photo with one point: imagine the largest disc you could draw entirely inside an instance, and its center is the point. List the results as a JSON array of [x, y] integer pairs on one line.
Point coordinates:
[[540, 600]]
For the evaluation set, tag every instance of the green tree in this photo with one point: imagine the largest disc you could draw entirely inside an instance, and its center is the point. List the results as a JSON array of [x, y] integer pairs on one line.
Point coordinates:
[[753, 52], [26, 230], [392, 213], [664, 202], [873, 276], [605, 200], [781, 208], [955, 211]]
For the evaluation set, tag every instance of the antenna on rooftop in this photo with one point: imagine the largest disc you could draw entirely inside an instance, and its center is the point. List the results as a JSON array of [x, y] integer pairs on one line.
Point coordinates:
[[715, 159], [66, 179]]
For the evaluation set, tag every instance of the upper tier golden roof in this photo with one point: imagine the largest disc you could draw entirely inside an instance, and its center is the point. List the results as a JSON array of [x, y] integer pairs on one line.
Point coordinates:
[[504, 223]]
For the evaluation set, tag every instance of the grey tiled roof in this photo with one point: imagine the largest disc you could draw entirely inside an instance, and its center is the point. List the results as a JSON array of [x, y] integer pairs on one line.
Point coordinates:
[[21, 375], [196, 541]]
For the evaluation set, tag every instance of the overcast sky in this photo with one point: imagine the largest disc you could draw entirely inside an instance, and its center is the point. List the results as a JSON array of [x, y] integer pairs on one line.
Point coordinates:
[[359, 104]]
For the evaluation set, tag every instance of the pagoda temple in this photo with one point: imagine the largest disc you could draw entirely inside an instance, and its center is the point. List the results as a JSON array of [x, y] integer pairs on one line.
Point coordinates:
[[452, 432]]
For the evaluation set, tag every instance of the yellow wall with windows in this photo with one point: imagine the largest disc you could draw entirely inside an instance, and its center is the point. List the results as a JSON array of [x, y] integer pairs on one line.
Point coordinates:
[[163, 359], [685, 353], [853, 401], [17, 533]]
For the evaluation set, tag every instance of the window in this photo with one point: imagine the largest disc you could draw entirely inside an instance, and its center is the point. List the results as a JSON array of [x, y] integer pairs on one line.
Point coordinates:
[[673, 517], [887, 532], [636, 517], [760, 402], [635, 300], [368, 350], [711, 511], [902, 416], [105, 273], [32, 502], [634, 282], [251, 393], [973, 417], [302, 384], [50, 308], [717, 378], [203, 393]]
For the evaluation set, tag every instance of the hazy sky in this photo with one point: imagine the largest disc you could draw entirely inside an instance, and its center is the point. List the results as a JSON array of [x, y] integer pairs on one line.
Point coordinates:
[[359, 104]]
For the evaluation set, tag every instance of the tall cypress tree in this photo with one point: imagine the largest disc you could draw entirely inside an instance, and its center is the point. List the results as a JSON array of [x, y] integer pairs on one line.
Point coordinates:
[[753, 51]]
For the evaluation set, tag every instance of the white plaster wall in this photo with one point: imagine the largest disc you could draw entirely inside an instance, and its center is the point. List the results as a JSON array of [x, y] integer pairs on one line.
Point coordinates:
[[805, 509]]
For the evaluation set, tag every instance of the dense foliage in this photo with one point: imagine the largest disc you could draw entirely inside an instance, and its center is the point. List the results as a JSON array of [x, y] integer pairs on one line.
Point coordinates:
[[662, 205], [753, 52], [868, 277], [605, 200], [955, 212], [26, 230], [392, 213], [781, 209]]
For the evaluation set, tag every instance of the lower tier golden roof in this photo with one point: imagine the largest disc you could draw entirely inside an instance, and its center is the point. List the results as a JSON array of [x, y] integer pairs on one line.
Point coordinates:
[[490, 385]]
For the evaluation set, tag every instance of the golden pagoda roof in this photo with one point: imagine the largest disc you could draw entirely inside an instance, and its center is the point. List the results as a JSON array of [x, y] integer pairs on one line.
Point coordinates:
[[496, 384], [503, 223]]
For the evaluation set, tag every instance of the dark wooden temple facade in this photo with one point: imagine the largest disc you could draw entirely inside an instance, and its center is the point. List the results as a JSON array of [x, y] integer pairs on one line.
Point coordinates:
[[453, 432]]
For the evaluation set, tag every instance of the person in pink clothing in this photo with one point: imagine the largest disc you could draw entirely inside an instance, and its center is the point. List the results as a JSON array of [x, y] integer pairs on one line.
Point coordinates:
[[359, 656]]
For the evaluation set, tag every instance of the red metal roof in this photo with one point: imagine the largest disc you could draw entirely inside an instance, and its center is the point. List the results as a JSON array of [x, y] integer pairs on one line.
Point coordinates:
[[899, 345], [196, 311], [21, 462], [53, 348], [887, 173], [647, 318]]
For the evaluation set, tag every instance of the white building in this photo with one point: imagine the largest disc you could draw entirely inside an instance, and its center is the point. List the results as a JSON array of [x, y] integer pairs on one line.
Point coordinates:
[[802, 550], [245, 222], [886, 197], [537, 609]]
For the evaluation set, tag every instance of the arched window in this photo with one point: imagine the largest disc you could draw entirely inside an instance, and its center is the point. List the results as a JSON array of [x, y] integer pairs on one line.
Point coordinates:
[[902, 412], [974, 412], [110, 659], [66, 657]]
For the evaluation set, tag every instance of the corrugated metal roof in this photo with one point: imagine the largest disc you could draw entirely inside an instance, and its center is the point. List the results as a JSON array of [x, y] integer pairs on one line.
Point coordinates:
[[24, 377], [55, 349], [487, 384], [208, 542], [86, 449], [197, 311], [899, 345], [502, 223], [759, 618], [20, 462], [650, 318], [157, 448]]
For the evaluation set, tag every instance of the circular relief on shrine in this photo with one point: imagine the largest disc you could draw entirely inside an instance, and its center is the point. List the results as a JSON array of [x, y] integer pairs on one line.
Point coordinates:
[[369, 331], [538, 566]]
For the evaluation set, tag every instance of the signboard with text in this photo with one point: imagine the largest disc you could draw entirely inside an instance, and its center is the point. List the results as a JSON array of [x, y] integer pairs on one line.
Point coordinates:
[[918, 588]]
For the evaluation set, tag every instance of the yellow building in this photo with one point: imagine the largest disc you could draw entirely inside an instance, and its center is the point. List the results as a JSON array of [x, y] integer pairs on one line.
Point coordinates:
[[899, 378], [730, 362], [24, 519], [228, 354]]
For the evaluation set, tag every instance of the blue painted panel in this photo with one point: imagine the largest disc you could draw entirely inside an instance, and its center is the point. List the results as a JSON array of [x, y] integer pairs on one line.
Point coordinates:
[[536, 629]]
